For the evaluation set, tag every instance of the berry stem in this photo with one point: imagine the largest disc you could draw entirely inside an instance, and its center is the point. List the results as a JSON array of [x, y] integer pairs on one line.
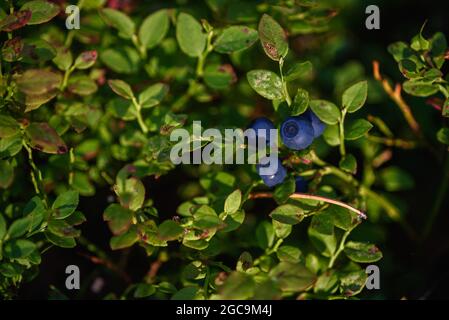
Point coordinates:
[[288, 99], [342, 133]]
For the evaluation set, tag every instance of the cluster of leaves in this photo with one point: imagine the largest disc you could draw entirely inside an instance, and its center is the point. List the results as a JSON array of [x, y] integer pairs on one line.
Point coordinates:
[[70, 123], [421, 62]]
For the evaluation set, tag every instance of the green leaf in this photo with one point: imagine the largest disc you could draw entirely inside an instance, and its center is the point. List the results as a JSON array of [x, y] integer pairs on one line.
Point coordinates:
[[326, 282], [11, 145], [288, 214], [219, 76], [355, 96], [357, 129], [38, 81], [238, 286], [265, 235], [190, 36], [244, 262], [82, 85], [362, 252], [443, 135], [187, 293], [75, 218], [266, 83], [273, 38], [206, 218], [41, 11], [120, 21], [144, 290], [332, 135], [170, 230], [62, 229], [86, 60], [124, 60], [235, 38], [121, 88], [125, 240], [396, 179], [6, 174], [419, 88], [8, 126], [24, 225], [2, 227], [400, 51], [283, 191], [300, 102], [65, 204], [233, 221], [292, 276], [353, 282], [298, 70], [153, 95], [42, 137], [131, 193], [289, 254], [18, 248], [63, 242], [233, 202], [348, 163], [326, 111], [154, 28], [282, 230], [321, 233], [63, 59], [119, 219]]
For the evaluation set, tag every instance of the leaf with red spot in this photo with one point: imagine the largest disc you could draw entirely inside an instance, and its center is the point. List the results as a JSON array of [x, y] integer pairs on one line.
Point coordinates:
[[86, 59], [44, 138], [15, 21], [41, 11], [273, 38]]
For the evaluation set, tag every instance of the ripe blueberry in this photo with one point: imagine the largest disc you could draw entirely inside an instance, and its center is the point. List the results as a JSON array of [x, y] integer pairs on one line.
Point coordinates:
[[317, 124], [301, 184], [273, 179], [263, 124], [297, 132]]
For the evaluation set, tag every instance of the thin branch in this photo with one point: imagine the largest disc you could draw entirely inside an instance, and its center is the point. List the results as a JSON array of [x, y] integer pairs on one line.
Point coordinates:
[[395, 95], [261, 195]]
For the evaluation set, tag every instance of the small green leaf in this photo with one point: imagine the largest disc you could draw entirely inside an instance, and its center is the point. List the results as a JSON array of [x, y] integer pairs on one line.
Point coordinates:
[[357, 129], [8, 126], [419, 88], [396, 179], [326, 111], [153, 95], [2, 227], [187, 293], [65, 204], [235, 38], [266, 83], [170, 230], [38, 81], [124, 60], [321, 233], [62, 229], [233, 202], [289, 254], [284, 190], [265, 235], [190, 36], [6, 174], [282, 230], [288, 214], [238, 286], [18, 248], [144, 290], [353, 282], [119, 219], [273, 38], [44, 138], [206, 218], [348, 163], [86, 60], [63, 59], [121, 88], [298, 70], [244, 262], [300, 102], [24, 225], [131, 193], [443, 135], [154, 28], [41, 11], [82, 85], [362, 252], [355, 96], [63, 242], [120, 21], [124, 240], [292, 276], [218, 76]]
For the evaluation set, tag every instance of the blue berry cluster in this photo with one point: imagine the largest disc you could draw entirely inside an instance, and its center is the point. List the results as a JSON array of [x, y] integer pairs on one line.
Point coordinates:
[[297, 133]]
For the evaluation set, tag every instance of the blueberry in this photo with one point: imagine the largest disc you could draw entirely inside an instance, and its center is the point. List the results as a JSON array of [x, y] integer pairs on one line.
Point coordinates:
[[265, 125], [301, 185], [297, 132], [274, 179], [317, 124]]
